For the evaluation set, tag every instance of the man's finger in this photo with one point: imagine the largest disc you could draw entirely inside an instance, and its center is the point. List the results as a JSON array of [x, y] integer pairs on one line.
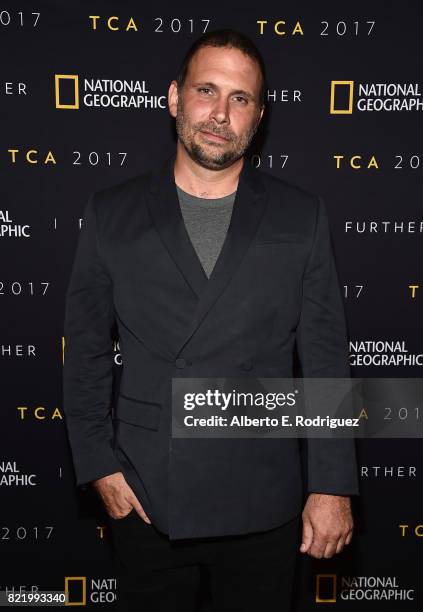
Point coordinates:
[[317, 549], [140, 510], [307, 537], [330, 549], [341, 544], [121, 513]]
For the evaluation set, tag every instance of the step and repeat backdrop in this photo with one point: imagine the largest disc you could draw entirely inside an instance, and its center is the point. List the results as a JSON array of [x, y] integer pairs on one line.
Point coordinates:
[[83, 96]]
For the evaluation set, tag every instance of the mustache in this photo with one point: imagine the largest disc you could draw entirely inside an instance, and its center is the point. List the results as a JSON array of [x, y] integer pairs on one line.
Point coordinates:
[[205, 128]]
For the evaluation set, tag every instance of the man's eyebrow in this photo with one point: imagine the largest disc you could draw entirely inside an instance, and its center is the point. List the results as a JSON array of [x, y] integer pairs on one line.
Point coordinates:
[[214, 86]]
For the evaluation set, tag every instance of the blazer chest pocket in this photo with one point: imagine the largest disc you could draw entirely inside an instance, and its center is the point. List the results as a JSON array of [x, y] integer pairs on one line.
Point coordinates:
[[138, 412]]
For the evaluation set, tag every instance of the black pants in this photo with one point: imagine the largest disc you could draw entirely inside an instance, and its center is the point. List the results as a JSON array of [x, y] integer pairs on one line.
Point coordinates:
[[251, 572]]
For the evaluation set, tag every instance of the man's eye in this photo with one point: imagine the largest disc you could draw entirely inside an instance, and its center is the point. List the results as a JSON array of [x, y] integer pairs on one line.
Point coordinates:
[[203, 89], [241, 98]]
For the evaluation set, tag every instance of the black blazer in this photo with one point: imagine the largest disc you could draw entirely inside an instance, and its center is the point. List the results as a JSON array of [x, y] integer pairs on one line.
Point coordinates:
[[274, 286]]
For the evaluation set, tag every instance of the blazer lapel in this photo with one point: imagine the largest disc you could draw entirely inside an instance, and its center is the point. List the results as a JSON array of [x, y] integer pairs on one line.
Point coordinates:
[[166, 212], [249, 206]]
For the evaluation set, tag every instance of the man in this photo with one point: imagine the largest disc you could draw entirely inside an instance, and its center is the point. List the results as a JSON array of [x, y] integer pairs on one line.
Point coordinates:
[[208, 268]]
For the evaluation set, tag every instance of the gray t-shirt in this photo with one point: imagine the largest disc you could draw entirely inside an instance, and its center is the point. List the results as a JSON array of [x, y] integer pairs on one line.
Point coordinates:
[[207, 221]]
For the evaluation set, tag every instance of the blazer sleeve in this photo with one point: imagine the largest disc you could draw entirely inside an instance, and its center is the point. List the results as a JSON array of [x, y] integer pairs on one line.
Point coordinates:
[[322, 346], [88, 357]]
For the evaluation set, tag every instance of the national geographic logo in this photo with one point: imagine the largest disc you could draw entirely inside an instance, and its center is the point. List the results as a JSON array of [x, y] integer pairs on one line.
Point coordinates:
[[10, 229], [72, 91], [348, 96], [101, 590], [11, 476], [326, 587], [330, 587], [74, 81], [76, 590], [344, 89], [392, 353]]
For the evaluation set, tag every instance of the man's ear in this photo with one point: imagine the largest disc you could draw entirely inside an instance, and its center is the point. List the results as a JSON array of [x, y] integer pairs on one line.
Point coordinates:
[[172, 98]]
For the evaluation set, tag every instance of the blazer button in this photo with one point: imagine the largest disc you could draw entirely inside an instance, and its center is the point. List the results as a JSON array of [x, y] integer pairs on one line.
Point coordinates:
[[180, 362], [247, 365]]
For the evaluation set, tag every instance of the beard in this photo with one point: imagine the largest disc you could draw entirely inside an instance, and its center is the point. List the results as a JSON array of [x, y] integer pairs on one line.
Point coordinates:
[[214, 156]]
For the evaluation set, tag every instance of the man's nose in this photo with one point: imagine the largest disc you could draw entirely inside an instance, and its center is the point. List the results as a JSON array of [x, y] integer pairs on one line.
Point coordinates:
[[220, 111]]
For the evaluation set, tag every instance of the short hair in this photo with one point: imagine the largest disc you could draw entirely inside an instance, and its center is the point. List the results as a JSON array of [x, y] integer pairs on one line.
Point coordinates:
[[225, 38]]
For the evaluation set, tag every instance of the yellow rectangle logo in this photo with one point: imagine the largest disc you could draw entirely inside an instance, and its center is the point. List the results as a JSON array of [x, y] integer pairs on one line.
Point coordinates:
[[326, 578], [75, 79], [341, 111], [81, 579]]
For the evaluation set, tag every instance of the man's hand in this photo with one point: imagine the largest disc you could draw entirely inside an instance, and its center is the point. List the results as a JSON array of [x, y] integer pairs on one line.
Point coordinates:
[[327, 525], [118, 497]]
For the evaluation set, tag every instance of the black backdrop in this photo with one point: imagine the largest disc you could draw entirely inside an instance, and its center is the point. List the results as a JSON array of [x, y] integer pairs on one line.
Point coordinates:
[[52, 158]]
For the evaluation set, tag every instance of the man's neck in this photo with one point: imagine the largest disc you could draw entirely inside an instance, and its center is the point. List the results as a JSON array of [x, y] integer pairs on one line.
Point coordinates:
[[202, 182]]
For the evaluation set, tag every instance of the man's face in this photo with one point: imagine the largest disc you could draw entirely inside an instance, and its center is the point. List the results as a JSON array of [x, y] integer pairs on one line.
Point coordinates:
[[217, 112]]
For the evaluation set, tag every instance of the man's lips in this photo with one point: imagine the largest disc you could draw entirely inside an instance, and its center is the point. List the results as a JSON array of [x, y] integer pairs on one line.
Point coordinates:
[[214, 136]]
